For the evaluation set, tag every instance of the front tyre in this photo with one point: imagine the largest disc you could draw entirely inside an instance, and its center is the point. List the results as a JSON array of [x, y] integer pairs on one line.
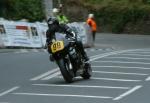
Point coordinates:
[[66, 69]]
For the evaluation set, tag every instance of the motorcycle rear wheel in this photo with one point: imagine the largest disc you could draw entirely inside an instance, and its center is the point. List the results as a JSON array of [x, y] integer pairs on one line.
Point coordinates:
[[87, 73]]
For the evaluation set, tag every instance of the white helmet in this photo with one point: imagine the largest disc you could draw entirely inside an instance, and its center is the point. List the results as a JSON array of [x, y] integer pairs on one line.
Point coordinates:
[[55, 10], [91, 15]]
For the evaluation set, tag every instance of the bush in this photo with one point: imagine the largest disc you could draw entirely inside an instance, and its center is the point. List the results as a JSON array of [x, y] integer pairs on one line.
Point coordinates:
[[118, 13], [19, 9]]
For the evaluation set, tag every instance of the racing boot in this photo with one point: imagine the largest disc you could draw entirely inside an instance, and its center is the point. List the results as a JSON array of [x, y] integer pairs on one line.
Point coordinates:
[[86, 61], [86, 74], [85, 58]]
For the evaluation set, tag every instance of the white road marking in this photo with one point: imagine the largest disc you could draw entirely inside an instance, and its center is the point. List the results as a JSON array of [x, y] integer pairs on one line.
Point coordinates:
[[51, 76], [92, 58], [128, 92], [145, 49], [148, 79], [107, 54], [8, 91], [35, 50], [4, 102], [143, 55], [140, 52], [106, 72], [121, 80], [112, 53], [82, 86], [44, 74], [108, 79], [23, 50], [65, 95], [49, 73], [123, 62], [120, 67], [124, 57]]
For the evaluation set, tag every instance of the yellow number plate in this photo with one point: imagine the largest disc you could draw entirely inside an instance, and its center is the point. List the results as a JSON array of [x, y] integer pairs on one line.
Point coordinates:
[[57, 46]]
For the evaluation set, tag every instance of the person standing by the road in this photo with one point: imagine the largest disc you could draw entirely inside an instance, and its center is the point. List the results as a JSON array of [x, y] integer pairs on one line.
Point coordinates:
[[60, 16], [92, 23]]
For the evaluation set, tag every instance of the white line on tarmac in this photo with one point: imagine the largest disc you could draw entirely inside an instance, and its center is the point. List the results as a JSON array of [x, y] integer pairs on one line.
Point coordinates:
[[148, 79], [121, 67], [145, 50], [140, 52], [23, 51], [121, 80], [109, 79], [92, 58], [121, 62], [8, 91], [107, 54], [35, 50], [120, 73], [44, 74], [128, 92], [82, 86], [143, 55], [49, 73], [123, 57], [65, 95], [51, 76], [112, 53], [4, 102]]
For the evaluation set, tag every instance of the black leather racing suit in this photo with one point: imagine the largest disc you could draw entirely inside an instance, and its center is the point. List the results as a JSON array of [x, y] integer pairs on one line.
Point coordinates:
[[63, 28]]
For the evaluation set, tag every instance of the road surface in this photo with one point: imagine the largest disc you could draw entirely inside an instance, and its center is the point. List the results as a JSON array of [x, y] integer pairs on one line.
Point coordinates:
[[121, 74]]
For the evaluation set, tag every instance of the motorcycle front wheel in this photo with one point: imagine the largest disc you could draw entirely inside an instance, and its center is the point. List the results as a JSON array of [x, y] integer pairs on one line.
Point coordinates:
[[66, 69]]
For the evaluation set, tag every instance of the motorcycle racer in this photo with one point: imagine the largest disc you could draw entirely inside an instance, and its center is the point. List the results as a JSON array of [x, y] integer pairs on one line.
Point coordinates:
[[54, 26]]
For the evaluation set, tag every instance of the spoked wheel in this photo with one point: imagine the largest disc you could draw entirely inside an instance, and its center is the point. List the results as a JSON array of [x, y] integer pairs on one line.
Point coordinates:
[[66, 69]]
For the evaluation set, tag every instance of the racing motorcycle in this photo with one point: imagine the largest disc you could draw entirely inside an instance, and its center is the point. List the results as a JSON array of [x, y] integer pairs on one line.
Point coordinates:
[[68, 58]]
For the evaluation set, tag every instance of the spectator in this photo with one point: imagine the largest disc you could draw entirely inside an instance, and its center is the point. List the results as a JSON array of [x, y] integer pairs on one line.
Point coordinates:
[[60, 16], [91, 22]]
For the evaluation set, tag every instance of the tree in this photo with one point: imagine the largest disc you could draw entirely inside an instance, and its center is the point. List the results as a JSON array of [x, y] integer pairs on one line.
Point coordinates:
[[23, 9]]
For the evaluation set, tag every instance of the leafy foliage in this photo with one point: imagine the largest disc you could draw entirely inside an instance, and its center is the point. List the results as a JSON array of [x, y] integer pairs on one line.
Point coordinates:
[[19, 9], [118, 13]]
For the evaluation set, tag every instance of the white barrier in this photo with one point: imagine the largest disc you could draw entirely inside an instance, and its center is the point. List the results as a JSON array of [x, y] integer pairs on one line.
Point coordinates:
[[42, 28], [1, 42], [3, 38], [25, 34], [20, 34], [84, 31]]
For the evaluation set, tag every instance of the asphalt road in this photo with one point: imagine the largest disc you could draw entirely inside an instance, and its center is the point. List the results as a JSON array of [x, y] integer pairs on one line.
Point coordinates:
[[121, 74]]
